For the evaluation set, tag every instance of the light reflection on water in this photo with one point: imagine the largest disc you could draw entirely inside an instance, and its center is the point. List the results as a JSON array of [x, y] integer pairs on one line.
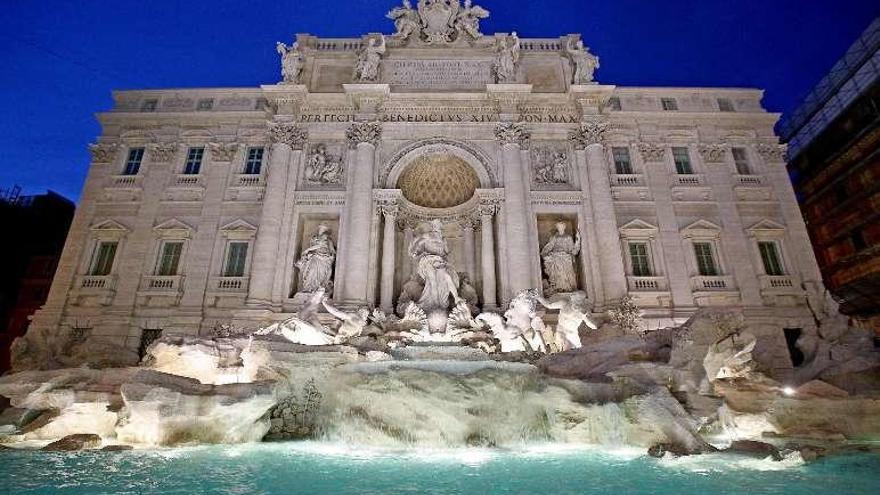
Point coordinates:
[[314, 467]]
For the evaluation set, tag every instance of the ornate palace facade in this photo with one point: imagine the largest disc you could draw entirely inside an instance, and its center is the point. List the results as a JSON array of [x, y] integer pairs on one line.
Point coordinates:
[[209, 206]]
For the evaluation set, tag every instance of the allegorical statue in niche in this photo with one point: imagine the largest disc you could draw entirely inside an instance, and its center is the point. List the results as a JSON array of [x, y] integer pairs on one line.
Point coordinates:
[[322, 168], [292, 61], [558, 255], [506, 59], [406, 20], [584, 63], [367, 67], [468, 19], [572, 313], [316, 262], [431, 253]]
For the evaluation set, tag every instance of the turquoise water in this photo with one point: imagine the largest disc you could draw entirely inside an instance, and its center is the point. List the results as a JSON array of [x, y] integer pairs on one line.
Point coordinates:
[[306, 468]]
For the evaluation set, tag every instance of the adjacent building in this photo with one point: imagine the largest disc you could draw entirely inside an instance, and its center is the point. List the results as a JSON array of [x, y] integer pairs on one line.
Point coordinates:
[[834, 161], [200, 203], [39, 224]]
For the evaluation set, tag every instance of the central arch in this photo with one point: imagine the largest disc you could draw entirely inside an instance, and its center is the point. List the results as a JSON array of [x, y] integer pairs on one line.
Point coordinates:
[[478, 162]]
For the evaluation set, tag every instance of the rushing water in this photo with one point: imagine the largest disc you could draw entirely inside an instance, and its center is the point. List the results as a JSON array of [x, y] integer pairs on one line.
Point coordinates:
[[303, 468]]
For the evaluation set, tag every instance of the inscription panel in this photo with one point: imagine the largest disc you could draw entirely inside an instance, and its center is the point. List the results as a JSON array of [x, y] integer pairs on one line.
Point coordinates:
[[437, 74]]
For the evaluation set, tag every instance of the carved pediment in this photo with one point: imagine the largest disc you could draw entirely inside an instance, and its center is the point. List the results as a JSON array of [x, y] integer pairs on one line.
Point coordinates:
[[766, 227], [109, 226], [638, 228], [239, 229], [702, 228], [173, 228]]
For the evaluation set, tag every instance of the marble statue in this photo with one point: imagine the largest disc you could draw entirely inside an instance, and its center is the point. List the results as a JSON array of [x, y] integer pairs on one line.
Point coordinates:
[[506, 59], [584, 63], [406, 20], [292, 61], [410, 292], [367, 67], [509, 337], [305, 327], [572, 313], [353, 324], [558, 255], [522, 315], [316, 262], [467, 291], [431, 252], [468, 19], [322, 168]]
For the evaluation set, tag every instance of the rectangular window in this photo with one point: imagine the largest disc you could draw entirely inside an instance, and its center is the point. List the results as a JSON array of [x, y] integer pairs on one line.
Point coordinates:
[[149, 105], [669, 104], [193, 161], [254, 161], [725, 105], [102, 261], [622, 162], [638, 255], [741, 159], [614, 103], [236, 255], [169, 258], [770, 258], [205, 104], [706, 265], [133, 163], [682, 161]]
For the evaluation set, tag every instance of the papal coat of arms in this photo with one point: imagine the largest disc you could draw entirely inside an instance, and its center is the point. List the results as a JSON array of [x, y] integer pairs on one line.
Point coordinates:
[[438, 21]]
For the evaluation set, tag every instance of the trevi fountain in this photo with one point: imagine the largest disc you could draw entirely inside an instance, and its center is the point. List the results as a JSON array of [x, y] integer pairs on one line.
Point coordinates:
[[560, 350]]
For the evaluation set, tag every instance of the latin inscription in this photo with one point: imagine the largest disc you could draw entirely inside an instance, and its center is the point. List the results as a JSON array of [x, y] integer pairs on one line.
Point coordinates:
[[437, 74]]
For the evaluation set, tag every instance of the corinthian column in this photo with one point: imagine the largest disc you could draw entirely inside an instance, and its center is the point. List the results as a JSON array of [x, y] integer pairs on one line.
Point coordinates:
[[287, 143], [389, 211], [588, 139], [358, 214], [512, 138], [487, 256]]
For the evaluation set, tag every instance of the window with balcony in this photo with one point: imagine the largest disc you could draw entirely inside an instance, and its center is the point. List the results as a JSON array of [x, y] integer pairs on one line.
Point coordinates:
[[725, 105], [770, 258], [102, 260], [149, 105], [639, 259], [741, 160], [236, 257], [614, 103], [682, 160], [133, 162], [705, 257], [169, 258], [622, 162], [669, 104], [254, 161], [193, 163]]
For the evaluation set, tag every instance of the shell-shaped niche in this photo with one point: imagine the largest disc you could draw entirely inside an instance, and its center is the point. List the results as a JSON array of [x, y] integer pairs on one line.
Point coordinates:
[[438, 180]]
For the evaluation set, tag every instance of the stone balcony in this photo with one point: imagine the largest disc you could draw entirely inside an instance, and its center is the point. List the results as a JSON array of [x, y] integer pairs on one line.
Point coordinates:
[[90, 290], [229, 284], [125, 181], [246, 187], [748, 180], [688, 180], [188, 180], [647, 284], [629, 187], [96, 282], [122, 189], [712, 283], [162, 283], [779, 284]]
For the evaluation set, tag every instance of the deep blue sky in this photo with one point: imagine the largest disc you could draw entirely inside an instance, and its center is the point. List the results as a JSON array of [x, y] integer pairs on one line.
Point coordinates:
[[59, 60]]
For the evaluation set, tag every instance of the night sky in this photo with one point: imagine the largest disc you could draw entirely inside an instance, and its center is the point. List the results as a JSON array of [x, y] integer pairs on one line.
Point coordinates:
[[59, 60]]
